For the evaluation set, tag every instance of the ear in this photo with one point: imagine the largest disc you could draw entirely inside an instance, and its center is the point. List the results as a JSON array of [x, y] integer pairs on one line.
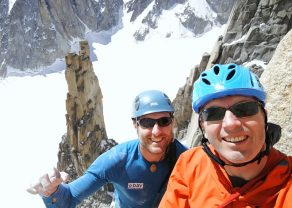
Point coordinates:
[[174, 122], [266, 112], [135, 123], [202, 124]]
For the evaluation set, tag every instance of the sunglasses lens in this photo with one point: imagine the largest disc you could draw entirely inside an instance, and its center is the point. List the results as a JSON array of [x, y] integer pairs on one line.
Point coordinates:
[[213, 114], [149, 122], [146, 122], [243, 109], [164, 121]]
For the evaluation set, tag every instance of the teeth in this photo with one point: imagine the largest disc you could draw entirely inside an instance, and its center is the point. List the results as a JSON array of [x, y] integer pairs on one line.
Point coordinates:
[[235, 139], [156, 140]]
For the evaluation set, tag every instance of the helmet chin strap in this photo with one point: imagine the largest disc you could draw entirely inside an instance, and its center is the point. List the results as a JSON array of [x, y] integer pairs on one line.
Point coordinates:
[[216, 159], [219, 161]]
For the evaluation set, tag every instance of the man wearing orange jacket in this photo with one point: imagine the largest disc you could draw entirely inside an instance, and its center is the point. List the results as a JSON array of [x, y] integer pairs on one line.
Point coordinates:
[[236, 166]]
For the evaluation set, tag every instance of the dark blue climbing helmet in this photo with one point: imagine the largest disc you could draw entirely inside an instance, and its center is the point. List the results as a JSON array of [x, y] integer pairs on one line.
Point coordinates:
[[151, 101], [223, 80]]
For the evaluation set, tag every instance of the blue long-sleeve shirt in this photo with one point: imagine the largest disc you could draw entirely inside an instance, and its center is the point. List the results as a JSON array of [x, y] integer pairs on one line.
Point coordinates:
[[123, 166]]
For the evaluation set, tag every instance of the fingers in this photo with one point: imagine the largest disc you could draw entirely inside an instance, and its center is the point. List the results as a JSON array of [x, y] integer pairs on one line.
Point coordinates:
[[59, 177], [32, 190], [36, 189], [55, 176], [65, 177], [45, 181], [48, 184], [45, 187], [56, 173]]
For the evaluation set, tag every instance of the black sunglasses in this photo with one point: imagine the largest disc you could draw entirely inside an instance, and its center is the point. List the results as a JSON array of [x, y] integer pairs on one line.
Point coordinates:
[[150, 122], [242, 109]]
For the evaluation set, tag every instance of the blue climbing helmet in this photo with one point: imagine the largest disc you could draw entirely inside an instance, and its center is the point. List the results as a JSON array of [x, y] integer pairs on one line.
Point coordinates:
[[151, 101], [223, 80]]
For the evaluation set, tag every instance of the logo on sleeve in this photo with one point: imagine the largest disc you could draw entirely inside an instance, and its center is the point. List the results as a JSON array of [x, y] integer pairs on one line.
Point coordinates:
[[135, 185]]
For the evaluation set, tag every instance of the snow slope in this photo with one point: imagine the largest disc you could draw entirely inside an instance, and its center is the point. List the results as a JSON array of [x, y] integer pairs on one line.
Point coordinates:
[[32, 108]]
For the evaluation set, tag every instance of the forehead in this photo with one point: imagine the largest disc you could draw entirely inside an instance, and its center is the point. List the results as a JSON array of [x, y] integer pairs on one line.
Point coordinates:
[[229, 100]]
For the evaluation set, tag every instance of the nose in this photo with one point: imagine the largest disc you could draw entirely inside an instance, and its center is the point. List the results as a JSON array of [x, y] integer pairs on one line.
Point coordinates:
[[230, 122], [156, 130]]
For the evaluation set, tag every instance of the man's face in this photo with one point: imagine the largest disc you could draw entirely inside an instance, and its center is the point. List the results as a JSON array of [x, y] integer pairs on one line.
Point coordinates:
[[237, 139], [154, 140]]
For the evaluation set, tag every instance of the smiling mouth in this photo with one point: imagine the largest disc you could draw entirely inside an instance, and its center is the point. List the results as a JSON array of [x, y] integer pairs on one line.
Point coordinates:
[[157, 141], [235, 139]]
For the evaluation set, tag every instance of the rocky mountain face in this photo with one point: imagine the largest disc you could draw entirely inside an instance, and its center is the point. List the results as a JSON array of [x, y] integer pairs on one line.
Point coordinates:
[[39, 32], [86, 136], [254, 31], [277, 80], [257, 29], [34, 34], [84, 107], [188, 15]]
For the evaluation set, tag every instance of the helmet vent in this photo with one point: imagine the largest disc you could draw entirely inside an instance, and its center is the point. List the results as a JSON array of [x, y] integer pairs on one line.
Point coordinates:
[[231, 66], [137, 103], [216, 70], [167, 99], [251, 81], [230, 74], [207, 82]]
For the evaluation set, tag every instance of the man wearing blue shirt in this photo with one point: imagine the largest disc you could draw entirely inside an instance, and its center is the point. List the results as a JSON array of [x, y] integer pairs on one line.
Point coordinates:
[[138, 169]]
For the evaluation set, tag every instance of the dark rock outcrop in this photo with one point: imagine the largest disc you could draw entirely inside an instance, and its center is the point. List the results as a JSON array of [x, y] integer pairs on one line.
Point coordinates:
[[86, 136], [254, 31], [35, 34], [276, 78], [187, 17], [183, 100]]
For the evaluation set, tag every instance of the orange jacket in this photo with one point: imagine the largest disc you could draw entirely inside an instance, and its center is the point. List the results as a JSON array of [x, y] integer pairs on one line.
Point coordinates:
[[198, 182]]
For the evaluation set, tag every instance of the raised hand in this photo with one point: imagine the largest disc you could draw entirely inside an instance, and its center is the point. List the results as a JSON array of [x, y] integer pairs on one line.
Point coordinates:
[[48, 184]]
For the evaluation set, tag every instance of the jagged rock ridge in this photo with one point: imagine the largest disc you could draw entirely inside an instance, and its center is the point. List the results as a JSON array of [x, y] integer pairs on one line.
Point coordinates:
[[229, 49], [34, 34], [242, 47], [86, 136], [188, 16]]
